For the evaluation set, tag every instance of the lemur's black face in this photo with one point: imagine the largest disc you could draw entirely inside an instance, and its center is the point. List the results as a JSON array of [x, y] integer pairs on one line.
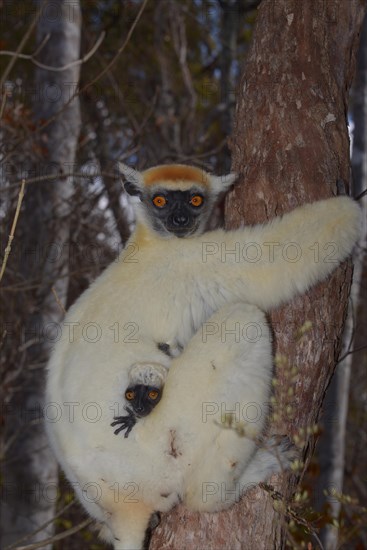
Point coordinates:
[[175, 212], [143, 398]]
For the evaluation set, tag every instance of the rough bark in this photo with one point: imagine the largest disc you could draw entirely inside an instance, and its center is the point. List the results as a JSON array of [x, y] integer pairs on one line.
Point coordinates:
[[290, 146], [30, 469]]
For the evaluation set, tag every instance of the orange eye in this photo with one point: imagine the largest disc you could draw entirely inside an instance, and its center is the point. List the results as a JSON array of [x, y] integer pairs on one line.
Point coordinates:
[[196, 200], [159, 201], [130, 395], [153, 394]]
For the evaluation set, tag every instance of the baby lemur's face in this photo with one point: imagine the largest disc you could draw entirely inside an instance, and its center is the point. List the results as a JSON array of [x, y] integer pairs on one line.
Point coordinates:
[[143, 398]]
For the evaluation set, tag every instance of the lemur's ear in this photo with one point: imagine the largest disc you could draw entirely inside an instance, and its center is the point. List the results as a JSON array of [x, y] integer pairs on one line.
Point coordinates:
[[221, 184], [134, 183]]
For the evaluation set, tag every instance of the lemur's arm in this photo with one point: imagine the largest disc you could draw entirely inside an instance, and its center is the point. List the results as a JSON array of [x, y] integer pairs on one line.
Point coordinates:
[[269, 264]]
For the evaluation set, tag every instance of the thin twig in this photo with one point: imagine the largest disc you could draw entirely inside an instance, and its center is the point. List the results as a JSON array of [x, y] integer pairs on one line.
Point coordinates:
[[3, 102], [58, 301], [42, 44], [52, 177], [20, 47], [118, 53], [43, 526], [55, 538], [358, 197], [12, 231], [31, 57], [350, 352]]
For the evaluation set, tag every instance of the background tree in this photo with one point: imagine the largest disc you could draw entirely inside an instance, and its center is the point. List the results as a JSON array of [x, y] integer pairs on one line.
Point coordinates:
[[336, 439], [41, 266]]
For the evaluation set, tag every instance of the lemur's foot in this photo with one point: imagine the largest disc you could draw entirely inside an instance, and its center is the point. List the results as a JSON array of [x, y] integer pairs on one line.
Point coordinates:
[[283, 449]]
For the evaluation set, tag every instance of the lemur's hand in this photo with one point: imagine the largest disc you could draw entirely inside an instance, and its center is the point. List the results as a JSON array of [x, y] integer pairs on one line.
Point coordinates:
[[127, 422]]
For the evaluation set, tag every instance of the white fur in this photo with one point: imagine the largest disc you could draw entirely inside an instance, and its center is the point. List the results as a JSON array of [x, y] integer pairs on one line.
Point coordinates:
[[148, 374], [163, 290], [131, 175]]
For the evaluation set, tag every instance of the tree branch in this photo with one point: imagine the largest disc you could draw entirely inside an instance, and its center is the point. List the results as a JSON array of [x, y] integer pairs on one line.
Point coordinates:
[[31, 57], [55, 538], [21, 46], [12, 231]]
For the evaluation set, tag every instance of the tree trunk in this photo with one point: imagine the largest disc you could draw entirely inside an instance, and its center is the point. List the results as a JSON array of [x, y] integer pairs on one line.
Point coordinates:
[[107, 164], [290, 146], [30, 468]]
